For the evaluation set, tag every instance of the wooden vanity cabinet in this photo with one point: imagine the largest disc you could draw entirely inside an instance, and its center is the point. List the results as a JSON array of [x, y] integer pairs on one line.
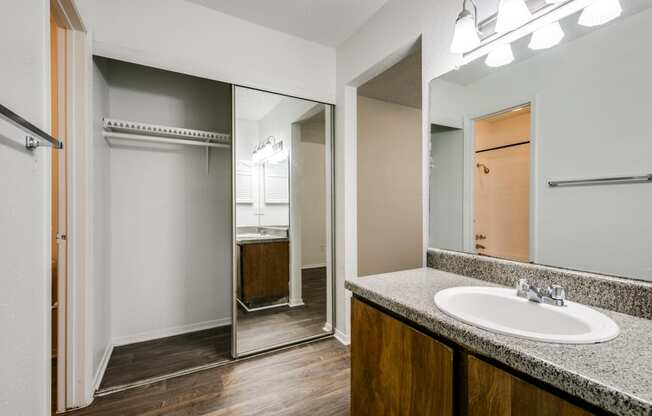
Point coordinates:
[[495, 392], [399, 370], [395, 369], [264, 273]]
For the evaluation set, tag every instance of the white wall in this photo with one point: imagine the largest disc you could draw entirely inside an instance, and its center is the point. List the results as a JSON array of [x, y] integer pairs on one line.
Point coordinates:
[[446, 188], [25, 285], [389, 187], [278, 123], [590, 120], [382, 41], [170, 219], [186, 37], [313, 192], [101, 225], [247, 136]]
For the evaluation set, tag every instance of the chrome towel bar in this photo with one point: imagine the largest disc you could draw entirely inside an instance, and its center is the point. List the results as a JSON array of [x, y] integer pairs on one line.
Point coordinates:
[[603, 181], [31, 143]]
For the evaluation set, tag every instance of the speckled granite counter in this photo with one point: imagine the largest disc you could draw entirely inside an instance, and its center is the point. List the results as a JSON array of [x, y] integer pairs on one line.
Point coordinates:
[[260, 240], [615, 376]]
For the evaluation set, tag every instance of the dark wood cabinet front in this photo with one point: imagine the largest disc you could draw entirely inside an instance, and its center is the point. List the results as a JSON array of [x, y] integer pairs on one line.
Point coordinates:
[[264, 273], [495, 392], [395, 369], [399, 370]]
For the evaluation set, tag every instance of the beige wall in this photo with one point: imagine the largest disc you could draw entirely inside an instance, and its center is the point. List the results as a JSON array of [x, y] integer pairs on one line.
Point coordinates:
[[313, 192], [389, 187]]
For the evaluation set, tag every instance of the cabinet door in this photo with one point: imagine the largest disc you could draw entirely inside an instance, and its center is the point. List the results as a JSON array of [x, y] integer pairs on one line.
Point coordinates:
[[494, 392], [395, 369]]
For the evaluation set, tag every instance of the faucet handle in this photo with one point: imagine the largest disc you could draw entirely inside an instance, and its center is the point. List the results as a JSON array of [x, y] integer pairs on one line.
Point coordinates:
[[557, 292], [522, 287]]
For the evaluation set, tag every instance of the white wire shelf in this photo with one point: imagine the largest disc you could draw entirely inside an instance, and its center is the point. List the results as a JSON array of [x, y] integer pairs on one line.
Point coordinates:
[[131, 130]]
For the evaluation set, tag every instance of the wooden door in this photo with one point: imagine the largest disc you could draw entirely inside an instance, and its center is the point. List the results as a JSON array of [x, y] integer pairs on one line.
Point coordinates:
[[395, 369], [494, 392], [502, 200]]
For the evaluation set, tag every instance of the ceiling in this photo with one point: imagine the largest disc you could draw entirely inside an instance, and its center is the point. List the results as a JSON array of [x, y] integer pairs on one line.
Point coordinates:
[[328, 22], [400, 84]]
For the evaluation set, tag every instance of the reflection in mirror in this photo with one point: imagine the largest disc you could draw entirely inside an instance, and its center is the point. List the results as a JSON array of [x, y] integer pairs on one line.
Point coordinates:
[[282, 270], [508, 146]]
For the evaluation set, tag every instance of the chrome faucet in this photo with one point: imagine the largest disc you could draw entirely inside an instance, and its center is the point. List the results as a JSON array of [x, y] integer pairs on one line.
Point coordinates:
[[552, 295]]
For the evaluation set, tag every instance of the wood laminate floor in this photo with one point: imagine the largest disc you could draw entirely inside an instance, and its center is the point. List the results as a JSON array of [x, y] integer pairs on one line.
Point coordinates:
[[269, 327], [311, 379], [137, 362], [144, 360]]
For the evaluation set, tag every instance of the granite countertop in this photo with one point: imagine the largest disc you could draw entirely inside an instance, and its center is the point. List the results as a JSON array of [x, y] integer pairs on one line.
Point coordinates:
[[259, 240], [615, 376]]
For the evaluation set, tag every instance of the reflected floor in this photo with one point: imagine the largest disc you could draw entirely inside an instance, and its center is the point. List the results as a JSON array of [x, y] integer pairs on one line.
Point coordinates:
[[270, 327]]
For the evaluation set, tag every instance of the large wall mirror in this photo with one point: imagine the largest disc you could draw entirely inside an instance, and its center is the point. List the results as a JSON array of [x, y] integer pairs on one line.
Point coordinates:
[[548, 158], [283, 228]]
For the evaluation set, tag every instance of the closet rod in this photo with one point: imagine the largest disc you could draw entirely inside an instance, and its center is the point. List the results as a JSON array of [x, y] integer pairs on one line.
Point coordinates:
[[154, 139]]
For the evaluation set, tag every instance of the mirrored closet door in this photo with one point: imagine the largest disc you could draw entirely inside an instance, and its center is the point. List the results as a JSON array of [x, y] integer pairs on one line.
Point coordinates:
[[282, 207]]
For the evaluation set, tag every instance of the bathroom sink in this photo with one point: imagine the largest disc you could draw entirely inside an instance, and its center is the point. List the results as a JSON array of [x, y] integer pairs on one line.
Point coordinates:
[[500, 310]]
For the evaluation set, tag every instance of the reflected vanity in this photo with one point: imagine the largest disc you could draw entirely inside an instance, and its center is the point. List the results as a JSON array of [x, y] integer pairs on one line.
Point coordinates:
[[282, 207]]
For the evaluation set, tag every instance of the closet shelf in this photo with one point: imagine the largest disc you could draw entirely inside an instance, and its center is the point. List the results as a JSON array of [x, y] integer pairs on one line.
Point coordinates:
[[132, 130]]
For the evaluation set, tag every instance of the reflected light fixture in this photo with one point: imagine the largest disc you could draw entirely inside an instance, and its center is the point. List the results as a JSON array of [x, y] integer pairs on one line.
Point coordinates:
[[269, 149], [501, 55], [546, 37], [466, 35], [511, 15], [600, 12]]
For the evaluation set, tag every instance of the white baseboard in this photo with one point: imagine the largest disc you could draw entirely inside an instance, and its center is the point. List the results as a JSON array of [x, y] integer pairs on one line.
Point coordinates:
[[99, 374], [313, 266], [343, 338], [293, 303], [168, 332], [327, 327]]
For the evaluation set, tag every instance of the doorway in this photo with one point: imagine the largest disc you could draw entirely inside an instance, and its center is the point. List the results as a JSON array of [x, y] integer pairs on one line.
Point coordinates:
[[501, 171]]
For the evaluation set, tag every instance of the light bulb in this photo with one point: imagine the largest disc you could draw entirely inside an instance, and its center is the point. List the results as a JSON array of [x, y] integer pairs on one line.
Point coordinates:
[[501, 55], [511, 15], [466, 36], [546, 37], [600, 12]]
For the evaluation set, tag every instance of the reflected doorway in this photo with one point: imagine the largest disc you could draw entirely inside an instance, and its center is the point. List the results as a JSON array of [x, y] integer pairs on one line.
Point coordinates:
[[502, 184]]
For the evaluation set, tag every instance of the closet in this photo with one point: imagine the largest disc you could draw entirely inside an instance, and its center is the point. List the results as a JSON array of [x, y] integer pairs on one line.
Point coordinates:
[[162, 222], [211, 223]]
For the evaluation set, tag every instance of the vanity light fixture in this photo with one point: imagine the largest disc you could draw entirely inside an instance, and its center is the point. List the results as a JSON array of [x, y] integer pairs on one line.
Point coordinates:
[[541, 18], [511, 15], [466, 35], [501, 55], [600, 12], [267, 149], [546, 37]]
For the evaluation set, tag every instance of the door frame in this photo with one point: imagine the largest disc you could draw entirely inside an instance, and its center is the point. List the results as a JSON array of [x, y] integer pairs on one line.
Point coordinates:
[[74, 370], [468, 242]]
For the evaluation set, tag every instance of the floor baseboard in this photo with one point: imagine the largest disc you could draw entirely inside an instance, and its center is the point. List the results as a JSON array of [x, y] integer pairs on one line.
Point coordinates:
[[343, 338], [313, 266], [168, 332], [97, 380]]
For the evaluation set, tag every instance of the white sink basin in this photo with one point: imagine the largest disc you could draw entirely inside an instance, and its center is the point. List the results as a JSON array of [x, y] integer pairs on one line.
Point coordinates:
[[500, 310]]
